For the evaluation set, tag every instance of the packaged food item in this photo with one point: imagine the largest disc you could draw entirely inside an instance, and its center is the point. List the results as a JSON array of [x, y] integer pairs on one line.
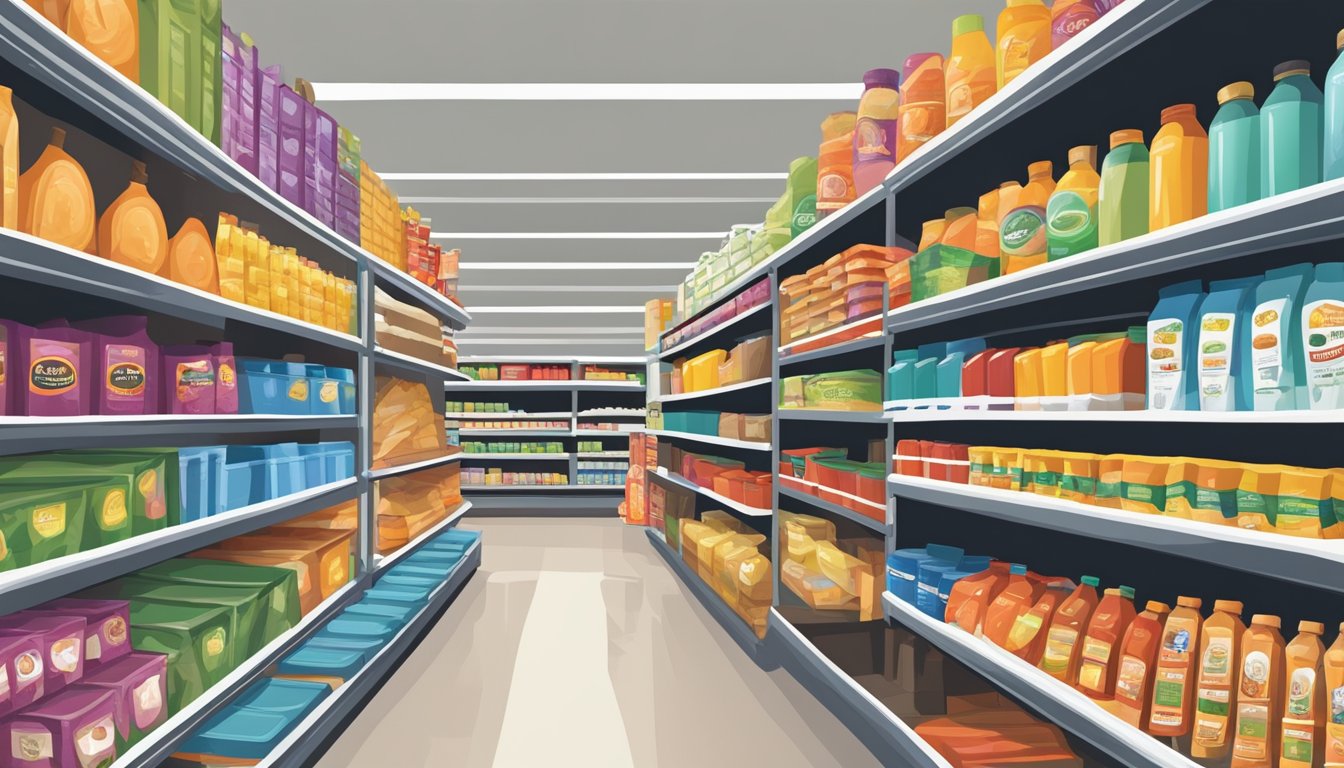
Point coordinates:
[[1099, 661], [970, 597], [149, 476], [62, 645], [1110, 480], [1178, 188], [1063, 645], [1304, 505], [139, 687], [9, 160], [876, 131], [835, 163], [1017, 597], [127, 366], [191, 258], [1172, 376], [56, 199], [1277, 365], [1234, 148], [1215, 694], [74, 727], [1224, 344], [276, 588], [923, 109], [1071, 214], [131, 230], [1215, 495], [1138, 658], [39, 523], [1022, 228], [226, 378], [1122, 199], [190, 379], [1145, 484], [970, 73], [1258, 497], [1323, 339], [1079, 479], [195, 639], [1069, 17], [1259, 694], [1024, 38], [1306, 701], [1175, 679], [1291, 135], [59, 361], [1029, 634], [21, 661], [1179, 498], [107, 626]]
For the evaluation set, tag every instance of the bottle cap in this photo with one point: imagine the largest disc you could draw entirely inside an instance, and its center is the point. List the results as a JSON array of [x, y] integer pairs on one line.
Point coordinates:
[[1018, 569], [1267, 619], [971, 22], [58, 138], [1010, 184], [882, 78], [1157, 607], [139, 174], [1084, 154], [1229, 606], [1112, 591], [1189, 602], [1294, 67], [1176, 112], [1126, 592], [1040, 169], [916, 60], [1237, 90], [1314, 627], [1091, 581], [1126, 136]]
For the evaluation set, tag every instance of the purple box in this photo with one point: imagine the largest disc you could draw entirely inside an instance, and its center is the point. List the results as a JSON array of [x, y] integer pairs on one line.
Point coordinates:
[[126, 363], [268, 126], [293, 146], [226, 378], [58, 376], [13, 358], [139, 687], [107, 634], [21, 681], [189, 379], [238, 137], [62, 645], [74, 728]]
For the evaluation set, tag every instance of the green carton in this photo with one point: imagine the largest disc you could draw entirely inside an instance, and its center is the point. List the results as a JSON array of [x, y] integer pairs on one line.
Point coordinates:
[[277, 588], [38, 523], [107, 518], [194, 638], [247, 625], [151, 473], [844, 391]]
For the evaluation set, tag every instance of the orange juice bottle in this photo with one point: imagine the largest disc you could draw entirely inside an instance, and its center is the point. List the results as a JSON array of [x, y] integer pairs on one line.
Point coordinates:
[[1071, 215], [56, 199], [1174, 682], [959, 231], [987, 225], [1101, 646], [1138, 657], [876, 131], [1022, 237], [932, 233], [110, 30], [1178, 184], [1026, 639], [1259, 695], [131, 230], [835, 163], [1024, 38], [970, 69], [1334, 686], [1305, 699], [923, 106], [1219, 646], [1064, 642], [1020, 594], [191, 259]]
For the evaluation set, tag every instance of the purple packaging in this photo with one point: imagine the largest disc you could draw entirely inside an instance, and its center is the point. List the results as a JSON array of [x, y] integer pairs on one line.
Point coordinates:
[[13, 358], [62, 645], [293, 147], [238, 136], [21, 667], [74, 728], [59, 363], [226, 378], [320, 165], [139, 687], [128, 369], [189, 379], [107, 634], [268, 126]]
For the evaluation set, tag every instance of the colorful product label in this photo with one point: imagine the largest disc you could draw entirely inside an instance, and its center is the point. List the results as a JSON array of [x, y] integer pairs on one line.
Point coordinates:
[[194, 379], [875, 140], [298, 390], [1216, 666], [148, 700], [52, 375], [1301, 686], [328, 392], [113, 513], [1073, 20], [1298, 742], [29, 746], [1216, 339], [1252, 742], [95, 744], [1096, 660], [1169, 697], [1023, 231], [1059, 645], [1334, 729], [1130, 679], [1071, 224], [1166, 373], [1267, 347], [1323, 344], [49, 520]]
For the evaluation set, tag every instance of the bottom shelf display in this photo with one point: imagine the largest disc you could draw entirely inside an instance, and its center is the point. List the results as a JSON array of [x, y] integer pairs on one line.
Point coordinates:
[[828, 573]]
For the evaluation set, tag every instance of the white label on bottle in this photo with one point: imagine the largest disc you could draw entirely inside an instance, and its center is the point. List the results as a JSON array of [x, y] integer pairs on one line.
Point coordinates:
[[1216, 332], [1166, 345], [1267, 354], [1323, 348]]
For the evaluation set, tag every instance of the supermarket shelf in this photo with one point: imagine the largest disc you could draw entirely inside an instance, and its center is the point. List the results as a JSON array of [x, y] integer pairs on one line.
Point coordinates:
[[716, 330], [606, 432], [515, 456], [632, 360], [1305, 561], [546, 505], [733, 624], [519, 432], [406, 469], [727, 442], [750, 384], [816, 414], [884, 733], [386, 561], [33, 259], [1056, 701], [603, 454], [415, 364], [615, 412], [570, 487], [842, 348], [564, 384], [516, 416], [832, 507], [439, 305], [311, 734], [30, 585], [709, 493], [29, 434], [1142, 416]]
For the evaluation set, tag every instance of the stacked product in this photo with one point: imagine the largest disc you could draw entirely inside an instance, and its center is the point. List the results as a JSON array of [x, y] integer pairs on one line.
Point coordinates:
[[859, 390], [457, 406], [844, 289], [516, 372], [830, 475], [477, 476], [427, 262], [602, 472], [828, 573], [591, 446], [735, 426], [278, 386], [408, 330], [599, 373], [732, 559], [748, 361], [380, 229], [605, 426], [750, 298], [657, 317], [406, 426], [726, 477], [409, 505], [933, 460], [506, 425], [508, 447], [219, 478]]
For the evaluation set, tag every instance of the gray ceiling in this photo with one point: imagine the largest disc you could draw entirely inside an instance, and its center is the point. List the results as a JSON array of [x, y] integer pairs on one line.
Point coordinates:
[[586, 41]]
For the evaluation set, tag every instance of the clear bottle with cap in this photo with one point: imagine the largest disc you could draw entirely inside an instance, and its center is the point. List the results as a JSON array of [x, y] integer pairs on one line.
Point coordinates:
[[835, 163], [1138, 661], [1305, 701], [1101, 646], [1122, 199], [1174, 682], [1334, 695], [1022, 239], [876, 131], [1024, 38], [56, 199], [1063, 645], [131, 230], [970, 74], [1290, 131], [1234, 148], [1259, 694], [1333, 107], [1178, 185], [923, 102], [1215, 696], [1071, 216]]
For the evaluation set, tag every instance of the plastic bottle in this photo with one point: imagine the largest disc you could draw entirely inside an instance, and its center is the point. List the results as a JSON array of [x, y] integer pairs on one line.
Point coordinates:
[[1122, 200], [923, 108], [987, 225], [110, 30], [9, 160], [1064, 643], [876, 131], [1305, 699], [1334, 685], [803, 195], [1259, 695], [835, 163], [1071, 216], [56, 199], [1016, 598], [1334, 125], [1291, 127], [1174, 683], [1069, 17], [1024, 38], [1138, 659], [1234, 149], [191, 258], [970, 76], [1026, 639], [131, 230], [1098, 664], [1323, 339], [1215, 700], [1022, 238], [1179, 181]]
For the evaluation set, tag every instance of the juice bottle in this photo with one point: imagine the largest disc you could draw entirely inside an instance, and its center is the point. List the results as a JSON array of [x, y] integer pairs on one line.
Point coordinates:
[[970, 74], [131, 230], [1101, 646], [1334, 687], [971, 597], [1122, 200], [1179, 181], [1138, 656], [1022, 232], [987, 225], [56, 200], [835, 163], [191, 258], [110, 30], [9, 160], [53, 10], [1026, 639], [923, 108], [932, 233], [1234, 149], [1063, 644], [1071, 215], [877, 128], [1334, 128], [1219, 648], [1305, 699], [1174, 682], [1024, 38], [1259, 695], [1291, 141], [1069, 17], [1016, 598]]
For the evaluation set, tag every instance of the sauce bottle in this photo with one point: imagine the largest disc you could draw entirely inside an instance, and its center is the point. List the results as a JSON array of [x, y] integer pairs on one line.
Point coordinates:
[[131, 230], [970, 77], [1101, 646], [1334, 692], [923, 111], [1305, 702], [1063, 644], [1026, 639], [1174, 682], [1219, 647], [1138, 657], [835, 163], [1024, 38], [1259, 694], [1016, 598], [1179, 161]]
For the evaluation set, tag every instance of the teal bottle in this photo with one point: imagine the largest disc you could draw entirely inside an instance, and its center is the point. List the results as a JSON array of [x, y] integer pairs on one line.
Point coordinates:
[[1334, 115], [1234, 149], [1291, 127], [1122, 203]]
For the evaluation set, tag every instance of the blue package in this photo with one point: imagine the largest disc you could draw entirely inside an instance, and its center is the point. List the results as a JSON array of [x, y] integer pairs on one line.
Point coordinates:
[[901, 378], [1172, 338], [401, 613], [1223, 346], [903, 567], [360, 627], [251, 731], [395, 593], [320, 661]]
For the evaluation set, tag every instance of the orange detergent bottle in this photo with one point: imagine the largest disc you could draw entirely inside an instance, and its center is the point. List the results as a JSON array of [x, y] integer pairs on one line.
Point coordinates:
[[1138, 659], [131, 230], [1178, 184], [1174, 683], [1306, 699], [1219, 650], [970, 69], [987, 225], [1024, 38], [1022, 233], [1259, 695], [56, 200], [1101, 647], [191, 258], [835, 163], [1334, 684], [923, 109], [110, 30], [1063, 644], [1017, 597], [1026, 639], [9, 159]]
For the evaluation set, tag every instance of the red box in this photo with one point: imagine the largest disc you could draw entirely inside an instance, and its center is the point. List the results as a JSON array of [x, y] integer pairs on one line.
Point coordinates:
[[514, 372], [909, 461]]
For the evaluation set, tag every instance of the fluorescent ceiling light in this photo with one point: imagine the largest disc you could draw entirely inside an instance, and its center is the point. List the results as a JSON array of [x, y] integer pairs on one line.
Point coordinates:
[[849, 92], [652, 176], [577, 235], [571, 309], [586, 200], [523, 266]]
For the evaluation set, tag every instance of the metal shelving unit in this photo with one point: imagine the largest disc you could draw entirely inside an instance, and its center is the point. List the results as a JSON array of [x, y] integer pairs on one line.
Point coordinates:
[[415, 466], [709, 493], [726, 442], [704, 393], [737, 629]]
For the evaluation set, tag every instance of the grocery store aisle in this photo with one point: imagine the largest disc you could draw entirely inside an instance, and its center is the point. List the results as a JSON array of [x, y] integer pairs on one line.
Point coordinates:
[[575, 645]]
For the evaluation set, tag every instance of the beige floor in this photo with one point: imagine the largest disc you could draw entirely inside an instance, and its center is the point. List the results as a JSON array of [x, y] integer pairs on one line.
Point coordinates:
[[574, 645]]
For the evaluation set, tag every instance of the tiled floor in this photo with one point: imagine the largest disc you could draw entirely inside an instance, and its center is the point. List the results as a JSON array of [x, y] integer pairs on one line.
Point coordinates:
[[574, 645]]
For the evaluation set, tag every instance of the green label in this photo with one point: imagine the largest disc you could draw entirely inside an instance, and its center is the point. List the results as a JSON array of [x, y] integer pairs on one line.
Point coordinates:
[[1297, 749], [804, 215], [1137, 492], [1108, 490], [1071, 225], [1022, 231], [1168, 694], [1210, 707], [1252, 726]]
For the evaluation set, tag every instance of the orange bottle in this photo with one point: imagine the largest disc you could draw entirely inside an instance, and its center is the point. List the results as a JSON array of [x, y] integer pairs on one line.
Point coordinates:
[[1064, 643], [1022, 235], [54, 10], [1259, 695], [110, 30], [987, 225], [1334, 686], [932, 233], [1101, 647], [131, 230], [1026, 639], [1138, 659], [1024, 38], [1306, 700], [960, 228], [56, 199], [9, 160], [1178, 181], [969, 76], [970, 597], [1174, 682], [1219, 650], [923, 111], [191, 258], [1017, 597], [835, 163]]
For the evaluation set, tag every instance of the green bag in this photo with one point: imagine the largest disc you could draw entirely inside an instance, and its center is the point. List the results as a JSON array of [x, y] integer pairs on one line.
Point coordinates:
[[941, 269]]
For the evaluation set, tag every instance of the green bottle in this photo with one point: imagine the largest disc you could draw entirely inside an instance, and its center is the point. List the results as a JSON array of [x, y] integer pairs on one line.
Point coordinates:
[[803, 191], [1234, 149], [1071, 216], [1123, 198], [1291, 127]]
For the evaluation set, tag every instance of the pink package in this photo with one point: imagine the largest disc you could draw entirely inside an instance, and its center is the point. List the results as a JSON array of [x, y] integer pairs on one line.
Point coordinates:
[[21, 667], [226, 378], [189, 379], [13, 358], [76, 728], [59, 363], [320, 164], [62, 645], [268, 126], [139, 689], [107, 634], [129, 376], [238, 136], [293, 147]]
